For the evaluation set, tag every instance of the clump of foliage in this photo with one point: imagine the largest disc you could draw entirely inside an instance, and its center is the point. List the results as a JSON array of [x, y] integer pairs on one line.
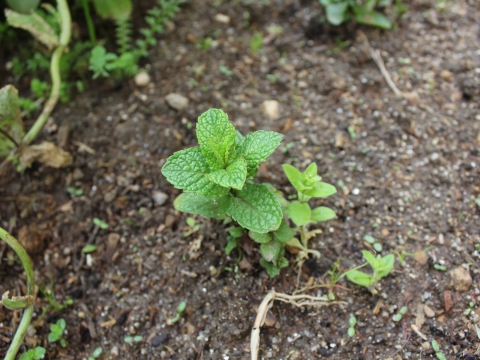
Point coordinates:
[[125, 63], [362, 11], [217, 180], [33, 354]]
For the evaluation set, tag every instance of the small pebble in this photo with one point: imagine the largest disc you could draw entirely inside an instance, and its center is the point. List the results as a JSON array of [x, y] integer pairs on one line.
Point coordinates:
[[177, 101], [159, 197], [221, 18], [159, 340], [271, 108], [142, 79]]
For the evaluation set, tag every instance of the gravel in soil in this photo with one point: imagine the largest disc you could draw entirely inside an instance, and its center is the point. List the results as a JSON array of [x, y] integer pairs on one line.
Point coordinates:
[[406, 170]]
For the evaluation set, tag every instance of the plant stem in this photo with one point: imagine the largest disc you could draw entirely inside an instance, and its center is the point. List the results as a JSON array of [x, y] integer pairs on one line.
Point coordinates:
[[27, 314], [54, 73], [88, 19]]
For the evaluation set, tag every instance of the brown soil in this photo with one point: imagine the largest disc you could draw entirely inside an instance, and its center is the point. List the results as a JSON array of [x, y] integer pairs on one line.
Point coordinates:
[[407, 173]]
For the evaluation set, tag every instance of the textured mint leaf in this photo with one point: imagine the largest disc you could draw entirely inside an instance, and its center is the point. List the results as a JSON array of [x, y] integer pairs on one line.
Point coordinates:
[[261, 238], [187, 170], [321, 189], [294, 176], [198, 204], [360, 278], [233, 176], [322, 213], [256, 208], [216, 136], [284, 233], [257, 147], [300, 213], [270, 250]]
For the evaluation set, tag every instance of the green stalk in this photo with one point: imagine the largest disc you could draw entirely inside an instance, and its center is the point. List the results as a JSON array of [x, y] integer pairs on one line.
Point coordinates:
[[27, 314], [54, 73], [88, 19]]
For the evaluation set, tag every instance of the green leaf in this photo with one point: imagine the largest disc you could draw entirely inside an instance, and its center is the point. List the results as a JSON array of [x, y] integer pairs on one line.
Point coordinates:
[[336, 13], [369, 238], [360, 278], [216, 136], [231, 244], [311, 171], [97, 352], [386, 264], [295, 243], [261, 238], [270, 250], [187, 169], [284, 233], [256, 208], [294, 176], [271, 268], [233, 176], [370, 258], [10, 120], [33, 354], [236, 231], [113, 9], [35, 25], [322, 213], [101, 224], [211, 207], [300, 213], [89, 248], [321, 189], [24, 6], [257, 147], [373, 18]]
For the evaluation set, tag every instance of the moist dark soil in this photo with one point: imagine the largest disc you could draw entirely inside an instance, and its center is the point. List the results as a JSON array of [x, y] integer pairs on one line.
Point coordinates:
[[406, 170]]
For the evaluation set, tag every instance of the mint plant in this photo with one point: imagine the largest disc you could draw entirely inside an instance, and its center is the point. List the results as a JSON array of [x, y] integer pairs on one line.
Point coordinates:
[[217, 180], [33, 354], [381, 267]]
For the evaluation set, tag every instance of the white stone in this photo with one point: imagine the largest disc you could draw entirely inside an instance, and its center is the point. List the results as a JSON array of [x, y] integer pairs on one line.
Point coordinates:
[[271, 108], [177, 101], [142, 79], [159, 197], [221, 18]]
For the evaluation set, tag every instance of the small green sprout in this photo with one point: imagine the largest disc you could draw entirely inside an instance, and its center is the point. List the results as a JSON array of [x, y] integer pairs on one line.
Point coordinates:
[[33, 354], [180, 309], [193, 227], [381, 267], [439, 267], [256, 42], [225, 71], [101, 224], [352, 322], [56, 332], [89, 248], [471, 305], [477, 201], [438, 353], [74, 191], [205, 43], [398, 316], [372, 241], [96, 353], [132, 339]]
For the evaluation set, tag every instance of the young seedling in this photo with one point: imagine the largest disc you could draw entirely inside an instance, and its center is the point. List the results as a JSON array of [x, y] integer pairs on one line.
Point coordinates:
[[74, 191], [180, 309], [352, 322], [192, 227], [438, 353], [467, 311], [96, 353], [440, 267], [372, 241], [398, 316], [33, 354], [101, 224], [132, 339], [256, 42], [56, 332], [381, 267]]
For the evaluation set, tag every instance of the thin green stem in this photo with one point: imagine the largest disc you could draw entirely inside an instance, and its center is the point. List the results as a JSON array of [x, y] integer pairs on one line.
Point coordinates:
[[27, 314], [88, 19], [54, 73]]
